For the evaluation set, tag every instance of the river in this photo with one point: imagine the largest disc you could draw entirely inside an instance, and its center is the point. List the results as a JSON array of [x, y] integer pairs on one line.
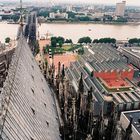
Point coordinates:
[[75, 31]]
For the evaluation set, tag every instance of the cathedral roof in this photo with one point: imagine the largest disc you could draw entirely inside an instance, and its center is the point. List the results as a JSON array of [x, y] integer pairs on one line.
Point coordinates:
[[27, 107]]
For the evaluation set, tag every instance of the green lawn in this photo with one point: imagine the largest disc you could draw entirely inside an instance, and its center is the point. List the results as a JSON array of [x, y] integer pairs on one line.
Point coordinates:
[[65, 48], [74, 47]]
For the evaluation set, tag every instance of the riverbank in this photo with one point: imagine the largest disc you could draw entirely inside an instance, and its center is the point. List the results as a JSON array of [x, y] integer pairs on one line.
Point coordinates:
[[91, 22], [81, 22]]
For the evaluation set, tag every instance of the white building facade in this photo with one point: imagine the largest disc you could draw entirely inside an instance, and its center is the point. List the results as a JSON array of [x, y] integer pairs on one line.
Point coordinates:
[[120, 9], [125, 120]]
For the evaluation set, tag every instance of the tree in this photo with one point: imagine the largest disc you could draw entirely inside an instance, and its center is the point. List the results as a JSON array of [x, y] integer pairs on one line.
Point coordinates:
[[85, 40], [68, 41], [105, 40], [43, 13], [71, 14], [134, 41], [15, 18], [95, 41], [7, 40], [86, 18], [60, 39], [97, 19], [60, 43], [53, 43], [121, 19], [57, 40], [53, 38]]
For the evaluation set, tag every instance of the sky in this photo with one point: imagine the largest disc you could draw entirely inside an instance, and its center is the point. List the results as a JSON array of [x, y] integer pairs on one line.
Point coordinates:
[[128, 2]]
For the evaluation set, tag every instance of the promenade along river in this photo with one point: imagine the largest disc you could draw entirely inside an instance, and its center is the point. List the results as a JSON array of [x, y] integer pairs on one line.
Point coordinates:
[[75, 31]]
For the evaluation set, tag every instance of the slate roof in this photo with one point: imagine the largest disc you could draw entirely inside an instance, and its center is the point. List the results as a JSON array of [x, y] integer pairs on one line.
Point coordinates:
[[27, 108]]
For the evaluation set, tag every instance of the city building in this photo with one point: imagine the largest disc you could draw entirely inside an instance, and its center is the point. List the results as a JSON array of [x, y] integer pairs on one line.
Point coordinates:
[[120, 9], [98, 15], [27, 106], [52, 15], [108, 73], [132, 54], [134, 16], [58, 15], [69, 8], [125, 121], [6, 12]]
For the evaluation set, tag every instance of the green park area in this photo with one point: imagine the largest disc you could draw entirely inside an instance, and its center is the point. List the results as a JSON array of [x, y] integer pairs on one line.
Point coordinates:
[[60, 45], [65, 48]]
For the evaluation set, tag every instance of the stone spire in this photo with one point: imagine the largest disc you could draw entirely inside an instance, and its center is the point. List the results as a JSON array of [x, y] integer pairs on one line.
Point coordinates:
[[58, 77], [89, 101], [129, 131], [102, 121], [63, 72], [59, 67], [80, 94], [118, 133], [74, 117], [110, 127], [81, 85], [89, 110]]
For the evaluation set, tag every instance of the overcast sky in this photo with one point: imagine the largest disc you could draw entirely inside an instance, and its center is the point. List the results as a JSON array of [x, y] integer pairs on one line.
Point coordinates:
[[128, 2]]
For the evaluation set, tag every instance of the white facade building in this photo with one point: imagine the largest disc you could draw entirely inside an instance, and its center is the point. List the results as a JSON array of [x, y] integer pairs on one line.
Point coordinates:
[[52, 15], [120, 9], [69, 8], [125, 120], [58, 15]]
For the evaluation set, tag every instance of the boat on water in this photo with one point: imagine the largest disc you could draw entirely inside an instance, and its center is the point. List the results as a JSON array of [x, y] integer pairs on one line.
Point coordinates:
[[12, 23]]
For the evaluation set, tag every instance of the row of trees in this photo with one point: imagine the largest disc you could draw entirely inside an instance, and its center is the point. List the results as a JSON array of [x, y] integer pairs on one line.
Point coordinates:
[[14, 17], [59, 41], [85, 40], [105, 40], [134, 41], [102, 40]]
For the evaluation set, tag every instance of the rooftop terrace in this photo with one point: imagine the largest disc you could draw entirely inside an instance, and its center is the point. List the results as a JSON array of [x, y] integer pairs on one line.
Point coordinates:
[[116, 84]]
